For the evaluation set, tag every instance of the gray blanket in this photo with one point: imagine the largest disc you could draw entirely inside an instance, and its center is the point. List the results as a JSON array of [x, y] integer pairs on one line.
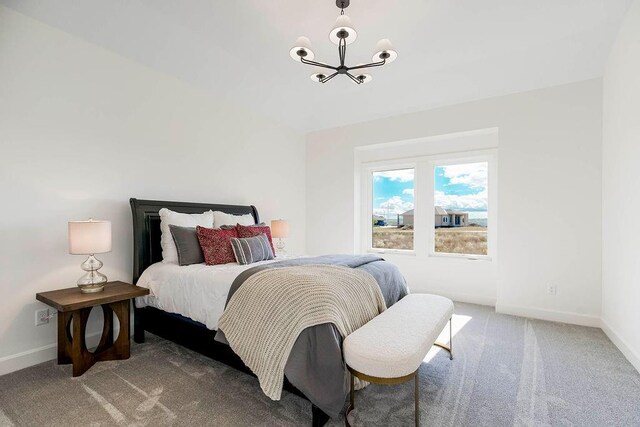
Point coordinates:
[[315, 365]]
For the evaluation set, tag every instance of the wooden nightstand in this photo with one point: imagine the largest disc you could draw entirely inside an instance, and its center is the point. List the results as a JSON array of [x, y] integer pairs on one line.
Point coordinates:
[[72, 304]]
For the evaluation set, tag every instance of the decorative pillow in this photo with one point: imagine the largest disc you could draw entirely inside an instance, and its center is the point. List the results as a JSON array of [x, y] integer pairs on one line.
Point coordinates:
[[221, 218], [216, 244], [251, 249], [254, 230], [226, 227], [167, 217], [187, 244]]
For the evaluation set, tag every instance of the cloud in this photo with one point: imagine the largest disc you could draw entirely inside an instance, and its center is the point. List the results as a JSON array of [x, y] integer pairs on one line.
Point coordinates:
[[394, 205], [473, 175], [402, 175], [477, 201], [408, 191]]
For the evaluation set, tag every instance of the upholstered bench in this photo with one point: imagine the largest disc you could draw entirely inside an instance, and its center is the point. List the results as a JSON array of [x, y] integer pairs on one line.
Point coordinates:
[[389, 348]]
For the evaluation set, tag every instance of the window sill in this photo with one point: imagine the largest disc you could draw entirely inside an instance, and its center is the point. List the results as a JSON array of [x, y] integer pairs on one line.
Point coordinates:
[[462, 256], [392, 251]]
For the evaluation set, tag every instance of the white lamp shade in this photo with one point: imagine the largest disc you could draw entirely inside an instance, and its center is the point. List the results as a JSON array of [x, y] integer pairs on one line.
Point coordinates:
[[343, 23], [384, 46], [302, 43], [89, 237], [279, 228]]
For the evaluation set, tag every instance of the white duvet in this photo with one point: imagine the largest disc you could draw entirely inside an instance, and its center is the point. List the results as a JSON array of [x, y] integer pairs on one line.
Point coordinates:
[[196, 291]]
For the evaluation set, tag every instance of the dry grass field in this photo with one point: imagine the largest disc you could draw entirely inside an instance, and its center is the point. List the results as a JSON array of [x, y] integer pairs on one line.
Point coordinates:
[[392, 238], [462, 240]]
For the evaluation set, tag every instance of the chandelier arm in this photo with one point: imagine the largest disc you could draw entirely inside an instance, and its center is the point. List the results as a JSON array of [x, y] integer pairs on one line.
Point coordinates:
[[370, 65], [326, 79], [317, 64], [355, 79]]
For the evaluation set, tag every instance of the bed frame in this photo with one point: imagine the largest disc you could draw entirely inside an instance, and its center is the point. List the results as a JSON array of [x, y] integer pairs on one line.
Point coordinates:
[[174, 327]]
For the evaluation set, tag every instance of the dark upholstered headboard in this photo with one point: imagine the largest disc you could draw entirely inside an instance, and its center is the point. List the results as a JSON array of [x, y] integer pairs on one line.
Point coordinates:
[[146, 226]]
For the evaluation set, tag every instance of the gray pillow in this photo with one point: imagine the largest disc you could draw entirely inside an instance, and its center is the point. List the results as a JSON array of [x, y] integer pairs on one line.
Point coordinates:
[[248, 250], [187, 244]]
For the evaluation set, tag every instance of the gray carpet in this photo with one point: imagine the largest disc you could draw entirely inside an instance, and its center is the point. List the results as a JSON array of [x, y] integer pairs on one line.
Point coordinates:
[[507, 371]]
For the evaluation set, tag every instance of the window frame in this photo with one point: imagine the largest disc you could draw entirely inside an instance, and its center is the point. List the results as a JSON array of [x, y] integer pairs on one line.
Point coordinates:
[[424, 200], [367, 172]]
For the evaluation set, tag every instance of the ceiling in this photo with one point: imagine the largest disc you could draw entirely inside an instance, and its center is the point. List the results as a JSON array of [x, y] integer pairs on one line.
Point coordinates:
[[450, 51]]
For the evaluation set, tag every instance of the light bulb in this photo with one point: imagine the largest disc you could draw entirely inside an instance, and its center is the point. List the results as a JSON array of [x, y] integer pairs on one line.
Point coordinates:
[[318, 75], [362, 76]]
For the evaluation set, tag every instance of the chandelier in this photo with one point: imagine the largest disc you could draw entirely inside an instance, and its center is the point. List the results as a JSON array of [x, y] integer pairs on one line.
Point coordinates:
[[342, 34]]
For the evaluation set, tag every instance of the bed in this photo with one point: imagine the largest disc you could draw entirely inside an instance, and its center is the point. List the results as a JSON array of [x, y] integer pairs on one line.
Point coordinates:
[[177, 313]]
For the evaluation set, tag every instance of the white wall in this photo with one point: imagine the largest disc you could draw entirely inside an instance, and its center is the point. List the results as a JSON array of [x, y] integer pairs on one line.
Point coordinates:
[[621, 198], [549, 183], [81, 131]]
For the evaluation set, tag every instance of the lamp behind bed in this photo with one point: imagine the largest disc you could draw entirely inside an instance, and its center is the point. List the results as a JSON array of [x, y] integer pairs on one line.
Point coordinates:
[[280, 229]]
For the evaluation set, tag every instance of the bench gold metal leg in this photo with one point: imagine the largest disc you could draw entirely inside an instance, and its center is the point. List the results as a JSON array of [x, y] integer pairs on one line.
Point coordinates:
[[417, 393], [378, 380], [449, 347], [451, 338]]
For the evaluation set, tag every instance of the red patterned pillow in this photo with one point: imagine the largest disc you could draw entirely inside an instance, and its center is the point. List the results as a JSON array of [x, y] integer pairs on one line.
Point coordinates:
[[254, 230], [216, 244]]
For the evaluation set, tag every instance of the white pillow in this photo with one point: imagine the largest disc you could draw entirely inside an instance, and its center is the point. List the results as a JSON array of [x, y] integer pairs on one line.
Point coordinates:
[[221, 218], [167, 217]]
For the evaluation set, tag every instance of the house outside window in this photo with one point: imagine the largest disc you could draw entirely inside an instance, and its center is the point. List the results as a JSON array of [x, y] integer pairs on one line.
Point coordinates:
[[461, 190]]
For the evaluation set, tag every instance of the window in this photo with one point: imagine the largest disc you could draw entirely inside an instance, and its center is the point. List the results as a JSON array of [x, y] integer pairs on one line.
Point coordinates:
[[461, 191], [430, 206], [392, 209]]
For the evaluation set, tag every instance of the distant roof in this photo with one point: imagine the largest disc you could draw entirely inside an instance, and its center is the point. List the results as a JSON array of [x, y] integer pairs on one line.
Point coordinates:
[[440, 211]]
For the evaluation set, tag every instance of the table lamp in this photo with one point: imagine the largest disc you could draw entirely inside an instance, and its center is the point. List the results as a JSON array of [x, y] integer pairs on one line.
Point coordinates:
[[89, 238], [280, 229]]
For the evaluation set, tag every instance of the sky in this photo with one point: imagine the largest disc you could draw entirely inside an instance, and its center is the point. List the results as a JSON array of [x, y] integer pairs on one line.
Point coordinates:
[[461, 187]]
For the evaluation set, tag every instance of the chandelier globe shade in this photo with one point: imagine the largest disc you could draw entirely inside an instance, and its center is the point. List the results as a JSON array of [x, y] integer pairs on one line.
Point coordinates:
[[384, 50], [343, 29], [301, 49]]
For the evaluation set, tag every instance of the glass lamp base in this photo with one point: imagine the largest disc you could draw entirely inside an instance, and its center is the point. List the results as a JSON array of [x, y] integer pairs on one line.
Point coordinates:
[[90, 289], [93, 280], [280, 246]]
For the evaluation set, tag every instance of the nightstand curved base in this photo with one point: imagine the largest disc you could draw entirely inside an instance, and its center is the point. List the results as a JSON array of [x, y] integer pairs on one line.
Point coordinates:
[[72, 347]]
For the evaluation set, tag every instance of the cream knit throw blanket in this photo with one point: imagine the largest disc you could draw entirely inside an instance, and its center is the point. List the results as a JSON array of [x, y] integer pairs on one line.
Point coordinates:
[[267, 313]]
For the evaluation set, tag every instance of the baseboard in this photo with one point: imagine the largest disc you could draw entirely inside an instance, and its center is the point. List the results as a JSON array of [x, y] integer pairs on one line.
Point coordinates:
[[15, 362], [632, 356], [551, 315], [460, 297]]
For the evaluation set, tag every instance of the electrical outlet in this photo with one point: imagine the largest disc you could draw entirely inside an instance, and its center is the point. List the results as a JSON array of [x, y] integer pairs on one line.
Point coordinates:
[[42, 317], [552, 290]]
